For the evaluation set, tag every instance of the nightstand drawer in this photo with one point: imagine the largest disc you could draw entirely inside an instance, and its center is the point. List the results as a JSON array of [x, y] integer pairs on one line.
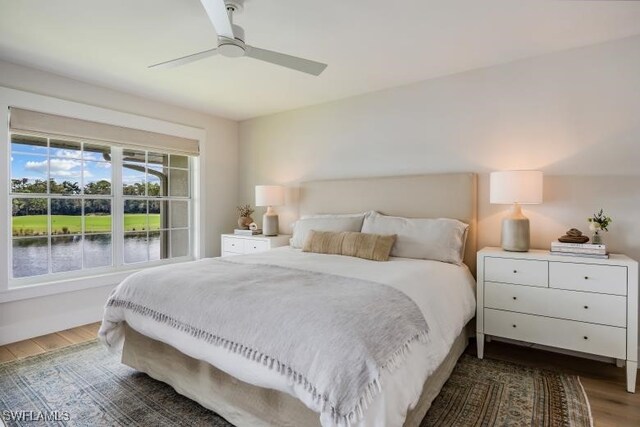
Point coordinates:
[[608, 310], [253, 246], [231, 244], [595, 339], [517, 271], [606, 279]]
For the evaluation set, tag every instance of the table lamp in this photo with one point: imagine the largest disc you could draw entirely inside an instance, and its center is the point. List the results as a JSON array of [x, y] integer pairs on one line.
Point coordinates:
[[515, 188], [269, 195]]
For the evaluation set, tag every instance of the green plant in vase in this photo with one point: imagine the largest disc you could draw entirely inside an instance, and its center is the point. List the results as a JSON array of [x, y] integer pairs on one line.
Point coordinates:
[[597, 223]]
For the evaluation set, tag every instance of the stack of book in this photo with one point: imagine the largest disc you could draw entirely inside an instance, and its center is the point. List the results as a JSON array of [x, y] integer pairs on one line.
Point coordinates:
[[586, 250], [247, 232]]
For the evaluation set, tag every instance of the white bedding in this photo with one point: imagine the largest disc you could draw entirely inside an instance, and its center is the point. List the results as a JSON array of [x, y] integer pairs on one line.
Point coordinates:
[[443, 292]]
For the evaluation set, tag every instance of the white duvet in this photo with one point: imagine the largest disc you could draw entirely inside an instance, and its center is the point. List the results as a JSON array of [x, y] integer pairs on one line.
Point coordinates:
[[443, 292]]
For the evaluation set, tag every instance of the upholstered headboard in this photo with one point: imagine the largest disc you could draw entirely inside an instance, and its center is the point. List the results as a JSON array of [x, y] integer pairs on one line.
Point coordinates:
[[418, 196]]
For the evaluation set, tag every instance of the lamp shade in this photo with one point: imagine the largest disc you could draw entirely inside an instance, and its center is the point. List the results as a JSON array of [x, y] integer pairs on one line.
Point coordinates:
[[269, 195], [523, 187]]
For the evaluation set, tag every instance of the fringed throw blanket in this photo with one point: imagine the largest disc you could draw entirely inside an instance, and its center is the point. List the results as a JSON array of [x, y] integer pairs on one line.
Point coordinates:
[[329, 333]]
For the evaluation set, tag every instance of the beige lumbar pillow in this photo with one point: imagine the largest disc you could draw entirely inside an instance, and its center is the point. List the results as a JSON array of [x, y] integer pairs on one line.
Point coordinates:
[[375, 247]]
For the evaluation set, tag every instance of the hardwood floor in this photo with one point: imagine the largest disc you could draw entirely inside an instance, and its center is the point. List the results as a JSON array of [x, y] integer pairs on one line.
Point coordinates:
[[604, 383], [48, 342]]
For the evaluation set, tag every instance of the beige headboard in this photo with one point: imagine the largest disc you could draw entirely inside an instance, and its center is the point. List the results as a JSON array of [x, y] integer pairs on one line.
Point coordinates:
[[418, 196]]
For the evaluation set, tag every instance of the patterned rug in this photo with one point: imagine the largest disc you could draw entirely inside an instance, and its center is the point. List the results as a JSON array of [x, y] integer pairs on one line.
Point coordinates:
[[496, 393], [83, 385]]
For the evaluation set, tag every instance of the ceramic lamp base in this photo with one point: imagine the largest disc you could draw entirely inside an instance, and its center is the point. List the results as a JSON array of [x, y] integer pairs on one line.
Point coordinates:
[[270, 223], [515, 231]]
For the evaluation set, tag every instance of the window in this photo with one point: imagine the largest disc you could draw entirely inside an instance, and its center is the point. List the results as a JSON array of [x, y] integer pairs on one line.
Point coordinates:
[[156, 205], [80, 205]]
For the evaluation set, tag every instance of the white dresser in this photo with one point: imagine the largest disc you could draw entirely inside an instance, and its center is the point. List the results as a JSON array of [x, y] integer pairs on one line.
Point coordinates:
[[581, 304], [234, 244]]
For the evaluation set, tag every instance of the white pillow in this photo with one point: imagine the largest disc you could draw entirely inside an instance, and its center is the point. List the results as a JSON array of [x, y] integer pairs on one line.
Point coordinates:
[[329, 222], [440, 239]]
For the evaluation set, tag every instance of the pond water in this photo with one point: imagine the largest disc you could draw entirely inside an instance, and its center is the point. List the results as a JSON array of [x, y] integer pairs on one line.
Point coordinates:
[[69, 253]]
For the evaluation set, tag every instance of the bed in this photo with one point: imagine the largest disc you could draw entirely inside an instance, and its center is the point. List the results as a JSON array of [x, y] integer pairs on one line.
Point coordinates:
[[246, 393]]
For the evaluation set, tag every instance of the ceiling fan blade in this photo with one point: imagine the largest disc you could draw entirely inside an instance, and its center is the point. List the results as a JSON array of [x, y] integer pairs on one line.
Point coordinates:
[[219, 17], [186, 59], [293, 62]]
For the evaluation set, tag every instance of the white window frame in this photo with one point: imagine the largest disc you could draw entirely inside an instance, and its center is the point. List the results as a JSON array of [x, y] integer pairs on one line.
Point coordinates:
[[17, 289]]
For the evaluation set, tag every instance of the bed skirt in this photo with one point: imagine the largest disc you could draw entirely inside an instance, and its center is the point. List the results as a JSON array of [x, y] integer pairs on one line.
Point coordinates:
[[244, 404]]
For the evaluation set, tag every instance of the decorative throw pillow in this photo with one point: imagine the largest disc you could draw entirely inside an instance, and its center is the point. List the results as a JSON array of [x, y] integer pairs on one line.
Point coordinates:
[[440, 239], [302, 227], [374, 247]]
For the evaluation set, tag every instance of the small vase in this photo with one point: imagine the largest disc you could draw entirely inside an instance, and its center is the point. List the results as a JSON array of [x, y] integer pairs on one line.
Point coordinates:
[[244, 221], [596, 239]]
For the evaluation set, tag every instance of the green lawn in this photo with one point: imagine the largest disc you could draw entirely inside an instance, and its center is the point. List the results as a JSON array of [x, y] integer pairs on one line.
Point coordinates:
[[36, 225], [138, 222]]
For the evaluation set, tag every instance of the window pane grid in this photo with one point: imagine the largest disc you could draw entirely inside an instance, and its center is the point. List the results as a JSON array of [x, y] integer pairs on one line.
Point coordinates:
[[74, 180], [163, 241], [151, 186], [65, 236], [63, 161]]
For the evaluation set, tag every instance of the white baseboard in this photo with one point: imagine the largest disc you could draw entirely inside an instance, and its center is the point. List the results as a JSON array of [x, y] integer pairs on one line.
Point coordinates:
[[26, 330]]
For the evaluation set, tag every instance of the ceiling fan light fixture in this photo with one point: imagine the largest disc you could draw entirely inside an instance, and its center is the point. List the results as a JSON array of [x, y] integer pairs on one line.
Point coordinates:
[[231, 49]]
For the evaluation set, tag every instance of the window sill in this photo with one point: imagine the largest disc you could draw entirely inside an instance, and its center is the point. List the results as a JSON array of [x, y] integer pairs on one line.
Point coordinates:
[[41, 289]]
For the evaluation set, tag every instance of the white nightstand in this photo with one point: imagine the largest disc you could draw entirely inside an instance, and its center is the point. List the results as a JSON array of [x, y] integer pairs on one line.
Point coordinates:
[[581, 304], [234, 244]]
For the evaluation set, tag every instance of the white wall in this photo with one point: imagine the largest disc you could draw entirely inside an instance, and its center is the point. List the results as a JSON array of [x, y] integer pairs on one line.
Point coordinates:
[[574, 114], [36, 316]]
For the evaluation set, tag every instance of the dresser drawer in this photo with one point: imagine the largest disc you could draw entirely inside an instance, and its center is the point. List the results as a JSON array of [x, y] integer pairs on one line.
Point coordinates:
[[253, 246], [608, 310], [231, 244], [517, 271], [589, 338], [606, 279]]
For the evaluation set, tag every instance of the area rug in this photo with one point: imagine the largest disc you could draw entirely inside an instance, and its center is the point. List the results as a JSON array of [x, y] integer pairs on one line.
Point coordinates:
[[496, 393], [83, 385]]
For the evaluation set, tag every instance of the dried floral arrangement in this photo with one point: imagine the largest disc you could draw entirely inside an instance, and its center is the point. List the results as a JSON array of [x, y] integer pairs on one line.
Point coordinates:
[[245, 210]]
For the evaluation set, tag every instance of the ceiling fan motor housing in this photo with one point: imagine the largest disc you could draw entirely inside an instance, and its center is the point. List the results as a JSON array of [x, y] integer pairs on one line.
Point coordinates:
[[231, 48]]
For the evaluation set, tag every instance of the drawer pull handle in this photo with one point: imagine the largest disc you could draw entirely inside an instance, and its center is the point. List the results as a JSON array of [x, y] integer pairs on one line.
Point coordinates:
[[515, 298], [513, 326], [586, 307], [255, 247], [586, 277], [515, 271], [586, 338]]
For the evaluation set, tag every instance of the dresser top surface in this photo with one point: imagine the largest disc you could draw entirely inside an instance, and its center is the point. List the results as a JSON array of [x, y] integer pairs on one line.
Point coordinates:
[[543, 254]]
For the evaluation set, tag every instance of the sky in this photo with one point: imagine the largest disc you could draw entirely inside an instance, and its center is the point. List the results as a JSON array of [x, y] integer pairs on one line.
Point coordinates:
[[64, 160], [31, 162]]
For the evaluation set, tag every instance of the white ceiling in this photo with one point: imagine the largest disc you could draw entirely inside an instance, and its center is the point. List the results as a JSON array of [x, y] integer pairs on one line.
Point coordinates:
[[368, 44]]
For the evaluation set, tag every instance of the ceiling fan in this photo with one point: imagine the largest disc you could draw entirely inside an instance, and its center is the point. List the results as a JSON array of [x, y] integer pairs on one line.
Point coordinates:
[[231, 42]]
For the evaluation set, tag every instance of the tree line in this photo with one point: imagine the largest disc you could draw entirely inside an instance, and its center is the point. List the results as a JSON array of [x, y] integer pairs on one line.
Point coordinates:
[[64, 206]]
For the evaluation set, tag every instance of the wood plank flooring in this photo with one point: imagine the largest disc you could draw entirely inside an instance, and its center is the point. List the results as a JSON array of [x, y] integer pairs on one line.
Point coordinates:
[[48, 342], [604, 383]]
